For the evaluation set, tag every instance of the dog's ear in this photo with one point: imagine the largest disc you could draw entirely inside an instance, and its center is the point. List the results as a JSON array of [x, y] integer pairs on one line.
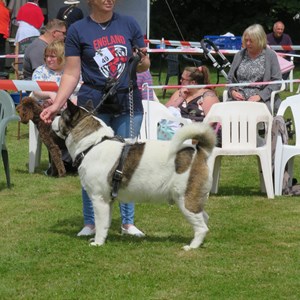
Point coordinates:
[[71, 106], [89, 106]]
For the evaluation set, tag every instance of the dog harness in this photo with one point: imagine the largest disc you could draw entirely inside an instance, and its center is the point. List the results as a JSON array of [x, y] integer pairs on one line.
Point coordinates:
[[118, 173]]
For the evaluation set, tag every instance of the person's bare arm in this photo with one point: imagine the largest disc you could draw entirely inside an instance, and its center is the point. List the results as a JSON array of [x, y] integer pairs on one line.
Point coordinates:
[[144, 64], [178, 97], [44, 95]]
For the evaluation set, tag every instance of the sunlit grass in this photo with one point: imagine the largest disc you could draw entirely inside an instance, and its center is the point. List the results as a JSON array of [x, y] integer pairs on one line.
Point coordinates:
[[251, 251]]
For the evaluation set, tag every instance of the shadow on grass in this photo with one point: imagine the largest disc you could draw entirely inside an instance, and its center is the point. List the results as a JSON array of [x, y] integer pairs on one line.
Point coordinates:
[[24, 136], [21, 171], [240, 191], [3, 184], [66, 227]]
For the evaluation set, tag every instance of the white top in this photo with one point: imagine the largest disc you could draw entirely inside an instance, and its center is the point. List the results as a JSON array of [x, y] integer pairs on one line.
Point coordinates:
[[25, 30]]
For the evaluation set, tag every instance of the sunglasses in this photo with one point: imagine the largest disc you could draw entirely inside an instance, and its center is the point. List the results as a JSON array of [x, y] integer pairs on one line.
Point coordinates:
[[63, 32]]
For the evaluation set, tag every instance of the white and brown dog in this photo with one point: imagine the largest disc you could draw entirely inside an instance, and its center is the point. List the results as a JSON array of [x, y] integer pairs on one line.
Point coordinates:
[[156, 171]]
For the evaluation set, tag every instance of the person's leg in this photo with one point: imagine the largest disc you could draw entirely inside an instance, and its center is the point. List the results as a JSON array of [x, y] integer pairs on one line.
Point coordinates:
[[2, 52], [88, 215], [121, 126], [127, 213]]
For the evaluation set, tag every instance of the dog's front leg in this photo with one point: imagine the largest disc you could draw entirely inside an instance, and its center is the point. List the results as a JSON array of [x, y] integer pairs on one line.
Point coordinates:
[[103, 215], [55, 153]]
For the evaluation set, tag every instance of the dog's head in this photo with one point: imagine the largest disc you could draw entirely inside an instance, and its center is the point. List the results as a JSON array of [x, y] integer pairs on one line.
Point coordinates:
[[80, 121], [29, 109]]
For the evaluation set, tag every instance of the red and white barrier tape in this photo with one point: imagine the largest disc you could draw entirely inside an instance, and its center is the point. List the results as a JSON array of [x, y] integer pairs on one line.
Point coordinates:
[[197, 44], [168, 87], [188, 50], [197, 51], [12, 56], [26, 85]]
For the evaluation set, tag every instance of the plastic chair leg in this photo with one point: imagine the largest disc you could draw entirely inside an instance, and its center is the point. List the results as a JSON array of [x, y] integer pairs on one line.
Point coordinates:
[[216, 175], [267, 174], [35, 148], [6, 166], [278, 171], [261, 177]]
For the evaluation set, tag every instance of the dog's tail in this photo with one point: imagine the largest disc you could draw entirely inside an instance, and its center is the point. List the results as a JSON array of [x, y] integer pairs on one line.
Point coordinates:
[[201, 133]]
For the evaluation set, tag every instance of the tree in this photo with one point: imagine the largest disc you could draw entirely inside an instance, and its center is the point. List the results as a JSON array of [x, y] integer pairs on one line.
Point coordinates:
[[191, 20]]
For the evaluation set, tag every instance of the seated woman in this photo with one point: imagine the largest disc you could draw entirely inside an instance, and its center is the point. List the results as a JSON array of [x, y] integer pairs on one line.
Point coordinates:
[[52, 70], [190, 103], [255, 63], [194, 103]]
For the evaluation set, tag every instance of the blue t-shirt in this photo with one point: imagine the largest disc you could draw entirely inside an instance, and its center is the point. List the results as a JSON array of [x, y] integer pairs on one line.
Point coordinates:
[[86, 38]]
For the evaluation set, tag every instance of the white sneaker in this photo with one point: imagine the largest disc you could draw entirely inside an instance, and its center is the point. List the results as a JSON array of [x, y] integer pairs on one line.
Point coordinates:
[[86, 231], [132, 230]]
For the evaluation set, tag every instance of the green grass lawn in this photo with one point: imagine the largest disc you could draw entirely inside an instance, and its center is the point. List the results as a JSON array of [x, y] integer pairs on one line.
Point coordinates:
[[251, 251]]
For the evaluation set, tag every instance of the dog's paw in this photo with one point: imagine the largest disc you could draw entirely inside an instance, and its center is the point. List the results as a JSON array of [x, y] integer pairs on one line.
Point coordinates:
[[187, 248], [62, 174], [94, 243]]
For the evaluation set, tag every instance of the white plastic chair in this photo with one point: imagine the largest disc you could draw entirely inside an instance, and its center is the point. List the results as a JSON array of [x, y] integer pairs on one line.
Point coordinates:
[[7, 115], [154, 112], [285, 154], [239, 121], [272, 99]]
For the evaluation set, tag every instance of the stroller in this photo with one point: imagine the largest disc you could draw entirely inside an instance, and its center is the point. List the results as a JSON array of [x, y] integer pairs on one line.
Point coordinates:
[[220, 62]]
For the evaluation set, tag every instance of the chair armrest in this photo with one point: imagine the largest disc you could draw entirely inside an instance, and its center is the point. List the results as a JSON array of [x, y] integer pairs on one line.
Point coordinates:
[[273, 95], [4, 122], [225, 95]]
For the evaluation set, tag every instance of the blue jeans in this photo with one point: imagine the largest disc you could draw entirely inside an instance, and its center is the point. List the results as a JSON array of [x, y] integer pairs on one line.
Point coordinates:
[[121, 126]]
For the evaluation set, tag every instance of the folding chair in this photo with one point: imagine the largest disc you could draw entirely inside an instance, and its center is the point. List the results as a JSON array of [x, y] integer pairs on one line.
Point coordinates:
[[173, 69]]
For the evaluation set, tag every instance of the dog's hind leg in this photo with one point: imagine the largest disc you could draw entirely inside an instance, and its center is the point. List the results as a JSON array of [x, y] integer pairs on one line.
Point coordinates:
[[200, 229], [199, 223], [103, 215]]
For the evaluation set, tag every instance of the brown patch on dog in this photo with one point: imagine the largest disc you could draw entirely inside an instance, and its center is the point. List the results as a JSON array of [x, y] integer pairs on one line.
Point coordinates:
[[132, 161], [85, 127], [183, 159], [30, 109], [197, 187]]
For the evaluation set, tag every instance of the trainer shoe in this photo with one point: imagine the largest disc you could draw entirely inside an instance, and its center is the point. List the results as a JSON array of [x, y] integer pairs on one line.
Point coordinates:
[[86, 231], [132, 230]]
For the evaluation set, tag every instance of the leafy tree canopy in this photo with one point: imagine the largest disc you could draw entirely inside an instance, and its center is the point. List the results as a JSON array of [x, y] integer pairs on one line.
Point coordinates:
[[191, 20]]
